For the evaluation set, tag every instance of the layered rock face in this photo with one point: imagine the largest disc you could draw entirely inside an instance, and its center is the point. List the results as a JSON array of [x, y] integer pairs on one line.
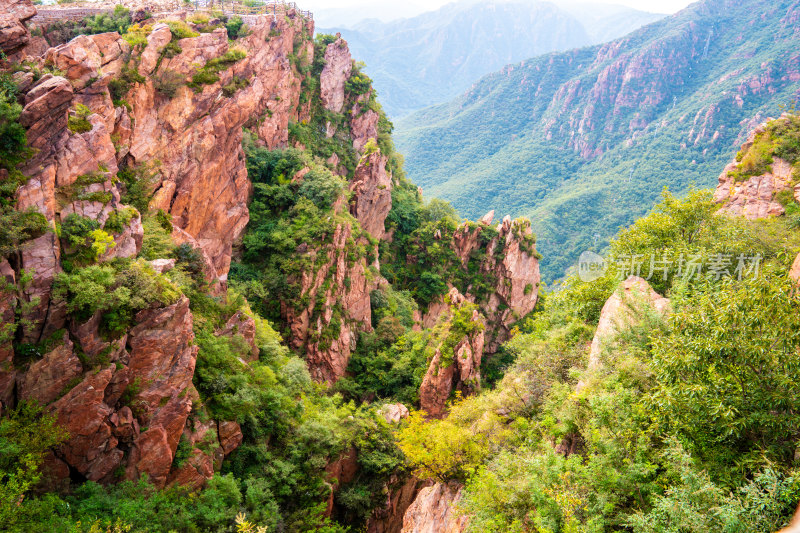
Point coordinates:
[[433, 511], [197, 136], [14, 34], [510, 263], [127, 401], [756, 196]]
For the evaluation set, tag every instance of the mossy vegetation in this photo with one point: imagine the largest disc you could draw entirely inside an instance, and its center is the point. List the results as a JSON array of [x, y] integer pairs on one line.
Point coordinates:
[[209, 73], [78, 119]]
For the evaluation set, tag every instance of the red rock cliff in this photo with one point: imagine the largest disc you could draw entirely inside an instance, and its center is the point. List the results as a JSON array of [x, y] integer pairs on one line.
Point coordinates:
[[127, 415]]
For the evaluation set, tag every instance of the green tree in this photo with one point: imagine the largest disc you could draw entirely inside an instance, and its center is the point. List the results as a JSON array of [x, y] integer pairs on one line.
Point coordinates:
[[728, 371], [26, 435]]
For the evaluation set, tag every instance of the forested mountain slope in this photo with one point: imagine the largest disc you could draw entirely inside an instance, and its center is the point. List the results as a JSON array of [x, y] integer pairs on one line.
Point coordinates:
[[225, 308], [654, 397], [583, 141], [217, 283], [433, 57]]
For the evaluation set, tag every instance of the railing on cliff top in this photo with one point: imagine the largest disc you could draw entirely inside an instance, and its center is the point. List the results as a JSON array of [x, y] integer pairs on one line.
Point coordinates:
[[76, 11]]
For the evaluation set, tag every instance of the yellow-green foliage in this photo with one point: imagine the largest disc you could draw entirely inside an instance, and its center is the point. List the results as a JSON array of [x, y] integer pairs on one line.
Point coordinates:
[[77, 121], [157, 243], [454, 447], [209, 73], [101, 242], [118, 292], [180, 30], [370, 148]]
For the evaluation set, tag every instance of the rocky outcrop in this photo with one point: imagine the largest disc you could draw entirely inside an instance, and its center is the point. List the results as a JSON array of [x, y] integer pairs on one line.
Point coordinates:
[[457, 358], [756, 196], [794, 271], [623, 309], [87, 58], [127, 404], [92, 449], [338, 66], [197, 135], [111, 436], [363, 123], [510, 261], [340, 472], [244, 326], [327, 332], [372, 194], [211, 442], [199, 467], [162, 358], [47, 378], [794, 525], [400, 494], [14, 34], [433, 511]]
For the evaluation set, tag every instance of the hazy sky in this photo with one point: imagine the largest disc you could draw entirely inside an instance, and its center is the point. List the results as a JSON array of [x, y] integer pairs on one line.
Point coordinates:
[[416, 6]]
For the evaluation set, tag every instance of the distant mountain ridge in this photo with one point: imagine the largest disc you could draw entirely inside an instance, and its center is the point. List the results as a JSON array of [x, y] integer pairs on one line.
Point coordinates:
[[435, 56], [583, 141]]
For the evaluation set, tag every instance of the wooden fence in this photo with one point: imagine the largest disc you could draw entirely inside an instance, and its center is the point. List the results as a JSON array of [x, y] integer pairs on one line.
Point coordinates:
[[48, 14]]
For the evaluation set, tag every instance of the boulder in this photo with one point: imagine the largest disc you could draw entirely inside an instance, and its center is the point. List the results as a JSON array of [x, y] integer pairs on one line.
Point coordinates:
[[230, 436], [393, 413], [162, 265], [433, 511], [622, 310]]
